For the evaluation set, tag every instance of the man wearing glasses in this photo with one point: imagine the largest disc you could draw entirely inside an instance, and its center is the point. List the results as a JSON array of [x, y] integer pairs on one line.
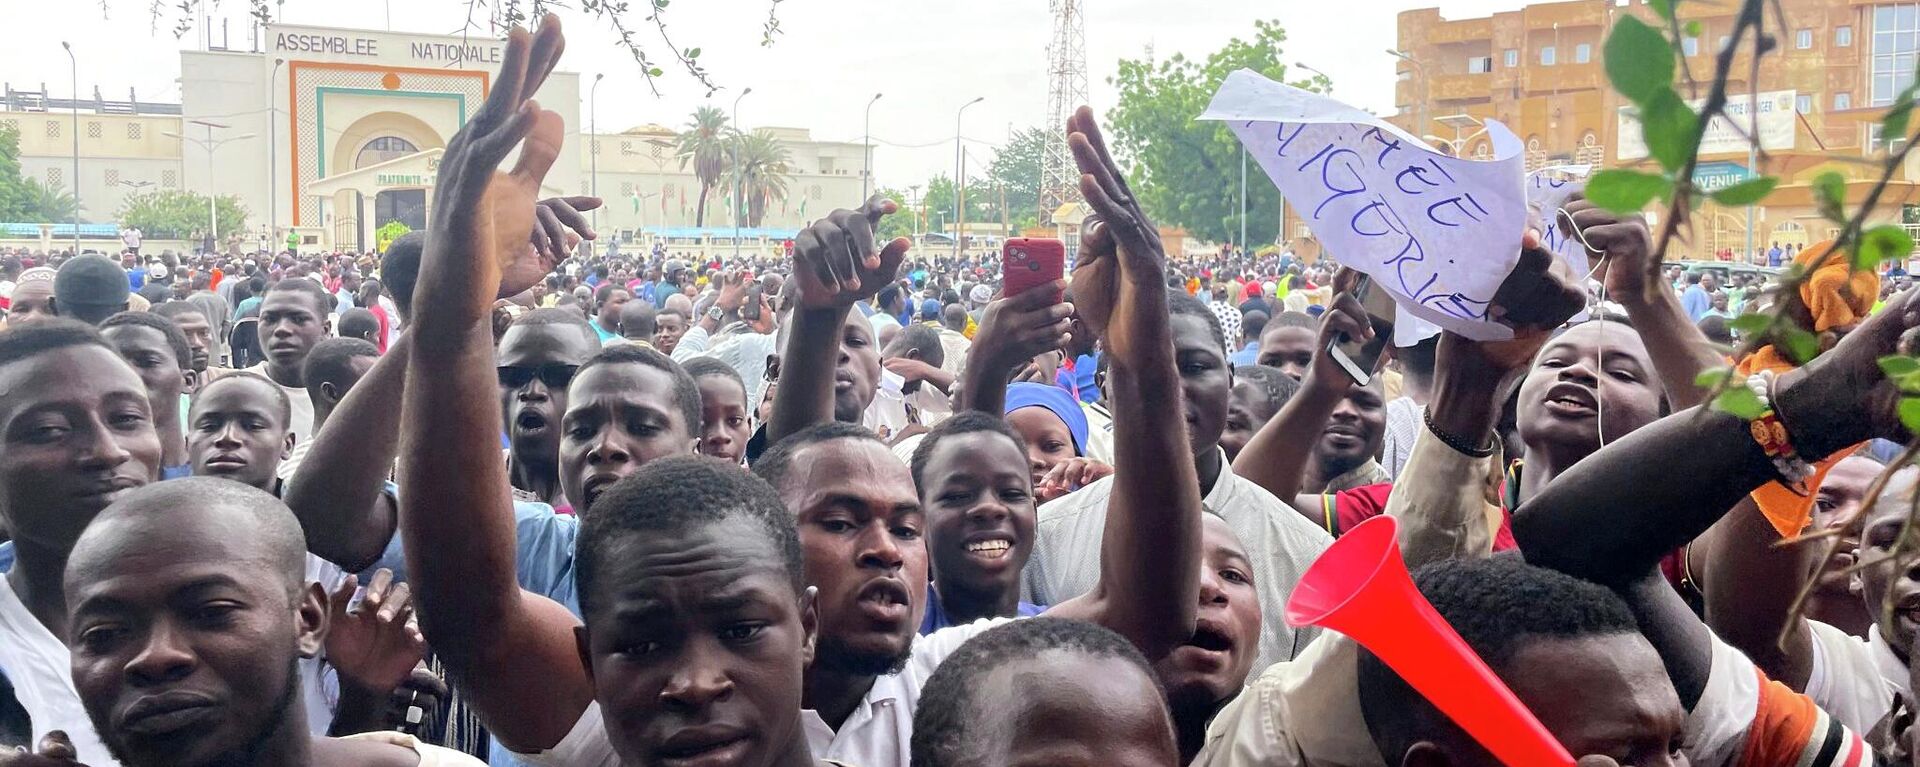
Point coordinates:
[[537, 358]]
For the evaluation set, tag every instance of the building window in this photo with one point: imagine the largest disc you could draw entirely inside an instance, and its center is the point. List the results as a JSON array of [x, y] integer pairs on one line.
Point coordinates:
[[113, 177], [1803, 39], [1512, 58], [1843, 37], [133, 131], [626, 189], [1582, 53], [53, 129], [93, 129], [55, 177], [1690, 46], [1896, 41], [383, 149], [169, 179], [1874, 139], [1803, 104], [1546, 56], [1479, 65], [1842, 101]]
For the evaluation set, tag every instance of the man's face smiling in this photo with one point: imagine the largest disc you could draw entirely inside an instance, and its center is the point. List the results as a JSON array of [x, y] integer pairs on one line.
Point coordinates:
[[1354, 431], [76, 432], [236, 430], [697, 644], [979, 512], [862, 531], [667, 330], [184, 640], [532, 410], [619, 416]]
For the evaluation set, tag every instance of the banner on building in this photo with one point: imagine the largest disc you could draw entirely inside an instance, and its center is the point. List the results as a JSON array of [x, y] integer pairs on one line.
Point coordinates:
[[1775, 112]]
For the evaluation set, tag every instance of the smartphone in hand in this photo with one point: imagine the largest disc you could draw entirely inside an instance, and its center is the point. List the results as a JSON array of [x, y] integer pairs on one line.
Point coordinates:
[[1026, 263], [1361, 359]]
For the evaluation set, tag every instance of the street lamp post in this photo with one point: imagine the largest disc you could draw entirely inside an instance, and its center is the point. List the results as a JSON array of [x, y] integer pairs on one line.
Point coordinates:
[[75, 62], [593, 142], [1303, 65], [273, 156], [866, 147], [738, 136], [209, 145], [1426, 84], [959, 177]]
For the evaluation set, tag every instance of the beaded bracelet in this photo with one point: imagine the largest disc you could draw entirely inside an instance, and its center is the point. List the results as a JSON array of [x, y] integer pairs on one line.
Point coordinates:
[[1771, 433], [1457, 443]]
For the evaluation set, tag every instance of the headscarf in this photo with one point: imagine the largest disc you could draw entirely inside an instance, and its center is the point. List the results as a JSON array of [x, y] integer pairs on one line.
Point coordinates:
[[1837, 297], [1025, 394]]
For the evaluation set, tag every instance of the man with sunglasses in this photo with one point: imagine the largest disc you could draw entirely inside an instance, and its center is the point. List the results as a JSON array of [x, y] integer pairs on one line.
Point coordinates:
[[537, 358]]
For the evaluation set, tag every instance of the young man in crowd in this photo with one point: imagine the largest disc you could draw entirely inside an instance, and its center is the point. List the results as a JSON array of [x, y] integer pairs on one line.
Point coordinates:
[[638, 323], [240, 429], [670, 325], [158, 352], [332, 369], [537, 359], [726, 422], [199, 333], [607, 300], [90, 288], [1287, 343], [32, 296], [1258, 393], [189, 605], [362, 324], [295, 314]]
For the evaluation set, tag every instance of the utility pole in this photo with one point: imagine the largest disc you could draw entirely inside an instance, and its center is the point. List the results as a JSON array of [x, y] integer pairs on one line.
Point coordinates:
[[960, 177]]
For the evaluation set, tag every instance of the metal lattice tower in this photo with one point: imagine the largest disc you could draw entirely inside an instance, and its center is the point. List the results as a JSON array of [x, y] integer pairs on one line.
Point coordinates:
[[1066, 91]]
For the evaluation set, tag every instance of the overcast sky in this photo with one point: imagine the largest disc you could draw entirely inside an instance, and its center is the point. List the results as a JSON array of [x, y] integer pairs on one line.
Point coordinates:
[[927, 56]]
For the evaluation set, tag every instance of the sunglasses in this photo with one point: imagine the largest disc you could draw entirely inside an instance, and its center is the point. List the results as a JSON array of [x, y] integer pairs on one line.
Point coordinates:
[[554, 376]]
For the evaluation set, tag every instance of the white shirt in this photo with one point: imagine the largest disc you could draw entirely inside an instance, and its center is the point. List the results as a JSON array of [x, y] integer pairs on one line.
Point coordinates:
[[1281, 543], [954, 346], [1854, 679], [41, 670], [878, 733], [301, 425]]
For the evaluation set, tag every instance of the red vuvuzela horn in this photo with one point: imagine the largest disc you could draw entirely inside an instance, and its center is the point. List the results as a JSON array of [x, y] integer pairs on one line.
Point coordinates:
[[1360, 588]]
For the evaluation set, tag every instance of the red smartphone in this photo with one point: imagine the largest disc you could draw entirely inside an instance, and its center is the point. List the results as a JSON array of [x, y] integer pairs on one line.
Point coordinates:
[[1026, 263]]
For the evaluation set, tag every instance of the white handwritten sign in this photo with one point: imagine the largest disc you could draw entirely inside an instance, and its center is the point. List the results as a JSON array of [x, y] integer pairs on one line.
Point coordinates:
[[1547, 193], [1440, 233]]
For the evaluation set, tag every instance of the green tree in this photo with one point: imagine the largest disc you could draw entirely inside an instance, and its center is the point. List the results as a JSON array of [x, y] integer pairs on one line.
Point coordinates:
[[16, 200], [1187, 172], [705, 144], [938, 203], [900, 224], [1015, 172], [50, 203], [177, 213], [759, 175]]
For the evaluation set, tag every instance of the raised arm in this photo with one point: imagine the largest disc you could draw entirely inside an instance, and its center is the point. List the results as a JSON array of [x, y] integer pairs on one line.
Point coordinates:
[[838, 264], [1150, 550], [1013, 330], [513, 652], [1276, 457], [339, 492], [1678, 349], [1611, 517]]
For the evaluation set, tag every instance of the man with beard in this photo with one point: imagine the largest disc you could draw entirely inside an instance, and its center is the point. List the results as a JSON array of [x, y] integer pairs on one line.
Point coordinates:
[[165, 685], [199, 332], [607, 301]]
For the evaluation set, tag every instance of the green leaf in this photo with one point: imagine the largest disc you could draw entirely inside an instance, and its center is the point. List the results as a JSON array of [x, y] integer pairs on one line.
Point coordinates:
[[1910, 413], [1662, 7], [1830, 192], [1881, 244], [1895, 123], [693, 53], [655, 72], [1638, 60], [1693, 28], [1741, 402], [1710, 378], [1625, 191], [1804, 346], [1670, 127], [1898, 365], [1746, 192], [1748, 324]]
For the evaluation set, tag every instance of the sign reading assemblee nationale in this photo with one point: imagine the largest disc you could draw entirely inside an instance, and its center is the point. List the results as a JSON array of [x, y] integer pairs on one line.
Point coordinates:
[[478, 51], [1439, 233]]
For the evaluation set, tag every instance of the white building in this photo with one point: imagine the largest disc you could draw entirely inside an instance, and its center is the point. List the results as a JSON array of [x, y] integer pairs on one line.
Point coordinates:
[[333, 132]]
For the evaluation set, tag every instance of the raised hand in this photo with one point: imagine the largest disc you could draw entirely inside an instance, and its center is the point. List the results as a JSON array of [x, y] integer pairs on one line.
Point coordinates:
[[1344, 319], [1843, 397], [1070, 475], [1541, 293], [1624, 243], [1121, 262], [483, 215], [375, 644], [1023, 326], [837, 261], [559, 227]]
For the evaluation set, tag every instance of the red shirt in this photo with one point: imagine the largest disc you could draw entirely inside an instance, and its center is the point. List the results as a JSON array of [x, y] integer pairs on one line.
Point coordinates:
[[1342, 510]]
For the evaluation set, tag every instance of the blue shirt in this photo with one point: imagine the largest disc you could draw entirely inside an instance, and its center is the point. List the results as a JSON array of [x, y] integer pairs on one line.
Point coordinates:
[[1079, 378], [1696, 302], [937, 619], [1249, 355]]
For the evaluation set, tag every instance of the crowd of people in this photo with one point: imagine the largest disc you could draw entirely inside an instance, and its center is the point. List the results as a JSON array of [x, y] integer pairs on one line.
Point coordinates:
[[494, 497]]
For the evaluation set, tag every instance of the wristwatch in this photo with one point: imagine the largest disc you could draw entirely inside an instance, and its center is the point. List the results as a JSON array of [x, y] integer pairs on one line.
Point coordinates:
[[714, 313]]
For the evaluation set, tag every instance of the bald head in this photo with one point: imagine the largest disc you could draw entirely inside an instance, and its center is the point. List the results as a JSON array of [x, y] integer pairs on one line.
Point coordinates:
[[637, 321], [185, 519], [680, 304]]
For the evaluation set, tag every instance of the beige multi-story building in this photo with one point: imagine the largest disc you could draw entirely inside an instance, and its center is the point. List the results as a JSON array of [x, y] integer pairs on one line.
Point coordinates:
[[1817, 101], [331, 133]]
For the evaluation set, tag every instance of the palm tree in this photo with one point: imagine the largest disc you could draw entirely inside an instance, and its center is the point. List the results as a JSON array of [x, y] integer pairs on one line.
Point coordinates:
[[704, 143], [51, 202], [760, 176]]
